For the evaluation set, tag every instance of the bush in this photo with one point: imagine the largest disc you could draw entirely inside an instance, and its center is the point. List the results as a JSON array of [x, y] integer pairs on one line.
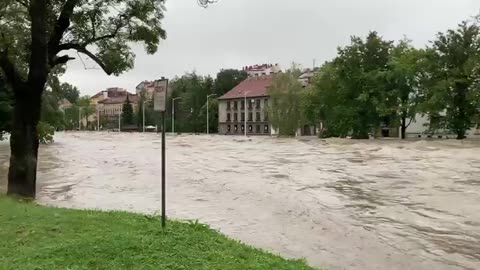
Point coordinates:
[[45, 133]]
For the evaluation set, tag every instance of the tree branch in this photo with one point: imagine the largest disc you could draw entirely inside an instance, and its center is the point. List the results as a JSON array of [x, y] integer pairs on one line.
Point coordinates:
[[94, 58], [61, 60], [61, 25], [23, 3]]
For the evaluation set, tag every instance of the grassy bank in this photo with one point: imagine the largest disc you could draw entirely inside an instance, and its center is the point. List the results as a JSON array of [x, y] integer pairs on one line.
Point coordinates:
[[36, 237]]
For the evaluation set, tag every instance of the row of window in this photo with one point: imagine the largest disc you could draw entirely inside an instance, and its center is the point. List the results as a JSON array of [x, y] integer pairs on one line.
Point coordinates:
[[250, 117], [249, 102], [250, 129]]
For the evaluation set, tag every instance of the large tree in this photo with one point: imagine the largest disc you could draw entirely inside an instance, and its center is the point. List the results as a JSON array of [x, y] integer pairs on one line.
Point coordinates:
[[454, 76], [286, 103], [352, 87], [405, 76], [35, 36], [227, 79]]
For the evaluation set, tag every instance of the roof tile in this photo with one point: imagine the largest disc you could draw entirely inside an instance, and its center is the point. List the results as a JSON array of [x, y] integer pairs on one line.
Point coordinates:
[[250, 87]]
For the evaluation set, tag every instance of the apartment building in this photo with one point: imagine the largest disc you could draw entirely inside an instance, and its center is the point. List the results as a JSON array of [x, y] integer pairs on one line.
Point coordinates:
[[245, 108]]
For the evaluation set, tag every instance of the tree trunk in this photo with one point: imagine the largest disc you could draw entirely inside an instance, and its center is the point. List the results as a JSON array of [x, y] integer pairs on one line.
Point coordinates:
[[22, 173], [461, 134], [403, 127]]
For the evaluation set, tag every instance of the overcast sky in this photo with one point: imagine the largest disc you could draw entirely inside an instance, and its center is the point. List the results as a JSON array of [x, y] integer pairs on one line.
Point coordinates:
[[236, 33]]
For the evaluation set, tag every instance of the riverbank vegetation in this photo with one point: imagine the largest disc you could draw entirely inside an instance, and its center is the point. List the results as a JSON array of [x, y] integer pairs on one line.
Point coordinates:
[[37, 237], [375, 84]]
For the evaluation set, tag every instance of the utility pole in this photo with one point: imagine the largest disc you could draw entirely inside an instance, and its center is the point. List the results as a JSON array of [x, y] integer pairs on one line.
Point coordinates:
[[208, 129]]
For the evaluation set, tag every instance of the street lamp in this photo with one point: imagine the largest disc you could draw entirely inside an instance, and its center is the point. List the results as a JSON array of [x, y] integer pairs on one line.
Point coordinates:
[[98, 118], [119, 119], [173, 114], [143, 114], [245, 118], [208, 131]]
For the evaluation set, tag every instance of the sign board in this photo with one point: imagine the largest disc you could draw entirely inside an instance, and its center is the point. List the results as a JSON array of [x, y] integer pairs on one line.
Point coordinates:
[[160, 95]]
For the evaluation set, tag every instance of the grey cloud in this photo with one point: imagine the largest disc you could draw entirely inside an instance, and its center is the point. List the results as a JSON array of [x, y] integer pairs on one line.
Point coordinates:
[[235, 33]]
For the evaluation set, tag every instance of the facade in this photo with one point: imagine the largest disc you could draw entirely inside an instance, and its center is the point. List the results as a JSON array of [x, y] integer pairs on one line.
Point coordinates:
[[262, 70], [147, 88], [109, 104], [419, 129], [245, 107], [64, 104]]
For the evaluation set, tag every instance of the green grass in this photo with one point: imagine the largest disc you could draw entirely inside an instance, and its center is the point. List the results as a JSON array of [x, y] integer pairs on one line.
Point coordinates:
[[37, 237]]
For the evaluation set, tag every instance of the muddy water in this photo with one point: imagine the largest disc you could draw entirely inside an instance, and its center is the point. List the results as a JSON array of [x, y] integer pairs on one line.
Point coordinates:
[[339, 204]]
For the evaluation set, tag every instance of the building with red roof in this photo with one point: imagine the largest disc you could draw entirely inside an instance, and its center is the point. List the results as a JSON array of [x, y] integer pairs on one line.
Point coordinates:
[[245, 107]]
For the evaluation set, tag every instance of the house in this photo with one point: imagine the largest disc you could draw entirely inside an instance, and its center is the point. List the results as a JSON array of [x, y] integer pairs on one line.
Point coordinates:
[[306, 78], [419, 128], [262, 70], [147, 88], [245, 107], [109, 105], [64, 104], [110, 108]]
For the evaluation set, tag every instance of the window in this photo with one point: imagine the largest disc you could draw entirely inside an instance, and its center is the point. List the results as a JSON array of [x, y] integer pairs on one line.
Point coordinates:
[[257, 103], [250, 103], [242, 105], [250, 128], [243, 128], [235, 128], [228, 105], [265, 129], [257, 117], [258, 128], [228, 117], [235, 105], [265, 103], [265, 116], [228, 128], [235, 117], [242, 116], [250, 116]]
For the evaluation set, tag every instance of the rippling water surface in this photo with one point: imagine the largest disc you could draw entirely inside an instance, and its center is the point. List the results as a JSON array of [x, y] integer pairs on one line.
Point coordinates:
[[340, 204]]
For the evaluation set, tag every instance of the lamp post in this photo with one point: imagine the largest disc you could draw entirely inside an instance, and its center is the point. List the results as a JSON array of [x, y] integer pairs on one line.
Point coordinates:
[[119, 119], [98, 119], [245, 118], [208, 129], [143, 115], [173, 114]]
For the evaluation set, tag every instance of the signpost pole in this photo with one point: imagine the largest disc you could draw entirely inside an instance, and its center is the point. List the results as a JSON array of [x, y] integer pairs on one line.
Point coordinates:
[[163, 172], [160, 97]]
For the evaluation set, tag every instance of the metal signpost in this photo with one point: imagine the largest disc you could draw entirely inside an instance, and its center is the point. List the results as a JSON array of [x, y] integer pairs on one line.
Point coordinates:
[[159, 102]]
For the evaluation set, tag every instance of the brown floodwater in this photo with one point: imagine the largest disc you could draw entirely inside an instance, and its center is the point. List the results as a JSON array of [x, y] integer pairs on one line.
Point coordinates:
[[341, 204]]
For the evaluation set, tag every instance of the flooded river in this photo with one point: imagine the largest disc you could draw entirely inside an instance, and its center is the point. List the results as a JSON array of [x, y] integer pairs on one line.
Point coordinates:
[[340, 204]]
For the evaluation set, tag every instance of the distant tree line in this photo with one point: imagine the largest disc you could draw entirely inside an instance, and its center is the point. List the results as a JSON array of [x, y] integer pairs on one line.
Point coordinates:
[[375, 83]]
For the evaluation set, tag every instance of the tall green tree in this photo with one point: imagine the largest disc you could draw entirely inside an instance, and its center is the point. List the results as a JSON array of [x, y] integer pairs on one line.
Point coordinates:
[[69, 92], [227, 79], [286, 104], [127, 113], [454, 77], [35, 37], [351, 89], [405, 76]]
